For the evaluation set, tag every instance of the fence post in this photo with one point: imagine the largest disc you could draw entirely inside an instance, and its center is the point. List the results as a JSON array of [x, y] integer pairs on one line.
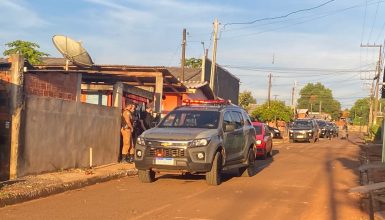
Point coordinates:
[[16, 108]]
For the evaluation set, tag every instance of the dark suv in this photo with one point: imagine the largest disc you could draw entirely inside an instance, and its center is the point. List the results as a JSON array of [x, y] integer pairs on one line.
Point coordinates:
[[304, 130], [200, 137]]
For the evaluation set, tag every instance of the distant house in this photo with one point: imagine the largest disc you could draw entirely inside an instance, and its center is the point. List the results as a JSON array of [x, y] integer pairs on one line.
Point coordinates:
[[226, 84], [302, 113], [322, 116]]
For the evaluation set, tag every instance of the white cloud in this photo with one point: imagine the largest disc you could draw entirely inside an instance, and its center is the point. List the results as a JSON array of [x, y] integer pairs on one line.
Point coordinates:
[[17, 14]]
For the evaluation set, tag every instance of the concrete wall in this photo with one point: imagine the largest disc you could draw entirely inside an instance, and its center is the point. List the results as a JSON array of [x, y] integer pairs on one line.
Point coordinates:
[[226, 85], [59, 133]]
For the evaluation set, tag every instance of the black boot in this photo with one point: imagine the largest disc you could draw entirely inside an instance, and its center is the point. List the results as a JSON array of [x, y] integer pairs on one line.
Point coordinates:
[[124, 158], [131, 158]]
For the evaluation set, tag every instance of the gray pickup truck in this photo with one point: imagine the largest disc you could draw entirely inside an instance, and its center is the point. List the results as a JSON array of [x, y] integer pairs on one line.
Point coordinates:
[[205, 138]]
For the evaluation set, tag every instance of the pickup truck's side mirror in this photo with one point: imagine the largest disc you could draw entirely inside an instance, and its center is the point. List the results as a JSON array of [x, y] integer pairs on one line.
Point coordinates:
[[229, 127]]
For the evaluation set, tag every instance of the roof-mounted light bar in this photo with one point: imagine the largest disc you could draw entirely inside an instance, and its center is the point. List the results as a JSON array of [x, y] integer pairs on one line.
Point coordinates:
[[206, 102]]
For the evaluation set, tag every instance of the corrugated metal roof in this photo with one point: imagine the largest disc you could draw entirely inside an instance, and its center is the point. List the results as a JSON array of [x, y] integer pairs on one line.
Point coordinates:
[[190, 74], [194, 84]]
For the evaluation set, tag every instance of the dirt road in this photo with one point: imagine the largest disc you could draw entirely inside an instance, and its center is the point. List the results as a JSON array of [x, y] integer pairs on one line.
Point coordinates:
[[301, 181]]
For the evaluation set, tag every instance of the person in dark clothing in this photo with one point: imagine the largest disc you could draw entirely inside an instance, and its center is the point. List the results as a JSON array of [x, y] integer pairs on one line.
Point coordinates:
[[146, 119]]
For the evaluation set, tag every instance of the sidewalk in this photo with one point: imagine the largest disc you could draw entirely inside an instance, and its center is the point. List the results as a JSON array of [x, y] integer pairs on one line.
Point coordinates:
[[37, 186]]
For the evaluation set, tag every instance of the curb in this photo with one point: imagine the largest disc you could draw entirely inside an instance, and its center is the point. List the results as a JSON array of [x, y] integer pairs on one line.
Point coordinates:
[[63, 187]]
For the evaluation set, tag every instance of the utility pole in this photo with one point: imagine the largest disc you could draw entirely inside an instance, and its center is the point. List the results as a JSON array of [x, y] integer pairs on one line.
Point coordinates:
[[182, 63], [293, 97], [269, 91], [377, 78], [371, 105], [320, 107], [214, 58]]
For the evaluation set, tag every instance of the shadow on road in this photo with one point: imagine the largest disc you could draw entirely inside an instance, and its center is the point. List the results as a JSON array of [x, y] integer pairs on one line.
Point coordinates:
[[348, 161], [226, 175]]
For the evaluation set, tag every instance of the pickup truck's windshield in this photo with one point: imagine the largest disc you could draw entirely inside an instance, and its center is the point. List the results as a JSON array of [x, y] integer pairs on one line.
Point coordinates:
[[191, 119], [302, 124]]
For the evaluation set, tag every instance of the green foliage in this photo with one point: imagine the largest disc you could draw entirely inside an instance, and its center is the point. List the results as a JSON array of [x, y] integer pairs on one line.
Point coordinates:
[[193, 63], [277, 111], [375, 132], [359, 113], [28, 49], [314, 95], [245, 99]]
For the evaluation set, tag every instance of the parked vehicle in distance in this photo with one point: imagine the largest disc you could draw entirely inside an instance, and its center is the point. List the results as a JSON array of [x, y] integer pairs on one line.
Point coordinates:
[[323, 129], [335, 129], [263, 140], [275, 132], [200, 137], [304, 130]]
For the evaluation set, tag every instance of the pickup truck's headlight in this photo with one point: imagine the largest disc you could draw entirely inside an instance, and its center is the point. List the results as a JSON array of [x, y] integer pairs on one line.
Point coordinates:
[[140, 141], [290, 131], [200, 142], [309, 130], [258, 142]]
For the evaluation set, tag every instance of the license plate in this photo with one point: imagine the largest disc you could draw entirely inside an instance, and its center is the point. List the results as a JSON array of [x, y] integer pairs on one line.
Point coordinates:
[[164, 161], [300, 136]]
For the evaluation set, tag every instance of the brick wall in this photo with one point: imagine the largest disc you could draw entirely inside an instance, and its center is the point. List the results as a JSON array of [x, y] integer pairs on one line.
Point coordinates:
[[56, 85]]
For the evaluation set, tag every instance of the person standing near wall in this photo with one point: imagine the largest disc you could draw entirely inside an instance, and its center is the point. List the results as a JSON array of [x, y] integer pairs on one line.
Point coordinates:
[[131, 149], [126, 130], [146, 119]]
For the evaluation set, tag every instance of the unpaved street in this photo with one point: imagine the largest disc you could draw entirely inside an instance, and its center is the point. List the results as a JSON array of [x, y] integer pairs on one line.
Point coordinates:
[[302, 181]]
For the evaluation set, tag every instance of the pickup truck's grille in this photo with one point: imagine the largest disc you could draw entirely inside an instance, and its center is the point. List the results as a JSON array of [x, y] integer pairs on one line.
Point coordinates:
[[166, 152], [154, 143]]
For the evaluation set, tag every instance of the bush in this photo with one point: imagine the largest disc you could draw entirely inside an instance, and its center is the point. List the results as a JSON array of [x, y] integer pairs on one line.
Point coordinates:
[[375, 132]]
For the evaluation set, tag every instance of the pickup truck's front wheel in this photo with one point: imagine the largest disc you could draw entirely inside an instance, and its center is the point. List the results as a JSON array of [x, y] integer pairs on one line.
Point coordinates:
[[146, 176], [214, 176]]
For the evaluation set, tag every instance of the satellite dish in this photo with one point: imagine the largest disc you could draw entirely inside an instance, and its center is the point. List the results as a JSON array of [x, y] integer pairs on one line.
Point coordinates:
[[72, 51]]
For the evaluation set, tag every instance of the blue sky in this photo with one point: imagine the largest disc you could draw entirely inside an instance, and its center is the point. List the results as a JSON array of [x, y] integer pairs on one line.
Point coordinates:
[[320, 43]]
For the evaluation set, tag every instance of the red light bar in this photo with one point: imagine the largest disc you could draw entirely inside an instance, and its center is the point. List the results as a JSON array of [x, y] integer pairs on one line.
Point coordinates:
[[212, 102]]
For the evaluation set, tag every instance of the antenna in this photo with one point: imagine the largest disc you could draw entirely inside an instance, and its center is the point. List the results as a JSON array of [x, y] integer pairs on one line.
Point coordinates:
[[72, 50]]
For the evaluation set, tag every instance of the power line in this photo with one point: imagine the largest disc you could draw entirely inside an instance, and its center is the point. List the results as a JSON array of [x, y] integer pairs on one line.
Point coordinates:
[[302, 22], [374, 21], [278, 17]]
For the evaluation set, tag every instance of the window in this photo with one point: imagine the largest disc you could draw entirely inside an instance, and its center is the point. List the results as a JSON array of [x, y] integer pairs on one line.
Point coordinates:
[[237, 119], [247, 119], [258, 129], [227, 120]]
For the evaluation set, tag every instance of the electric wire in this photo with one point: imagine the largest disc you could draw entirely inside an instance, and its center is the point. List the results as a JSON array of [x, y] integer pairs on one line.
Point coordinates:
[[278, 17], [374, 21], [302, 22]]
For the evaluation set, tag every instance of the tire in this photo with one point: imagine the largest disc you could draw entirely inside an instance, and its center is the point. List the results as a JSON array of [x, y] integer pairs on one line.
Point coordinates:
[[146, 176], [264, 156], [249, 171], [214, 176]]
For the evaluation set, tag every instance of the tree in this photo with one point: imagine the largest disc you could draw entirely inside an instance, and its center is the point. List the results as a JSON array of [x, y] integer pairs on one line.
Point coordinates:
[[28, 49], [359, 113], [312, 96], [277, 111], [245, 99], [193, 63]]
